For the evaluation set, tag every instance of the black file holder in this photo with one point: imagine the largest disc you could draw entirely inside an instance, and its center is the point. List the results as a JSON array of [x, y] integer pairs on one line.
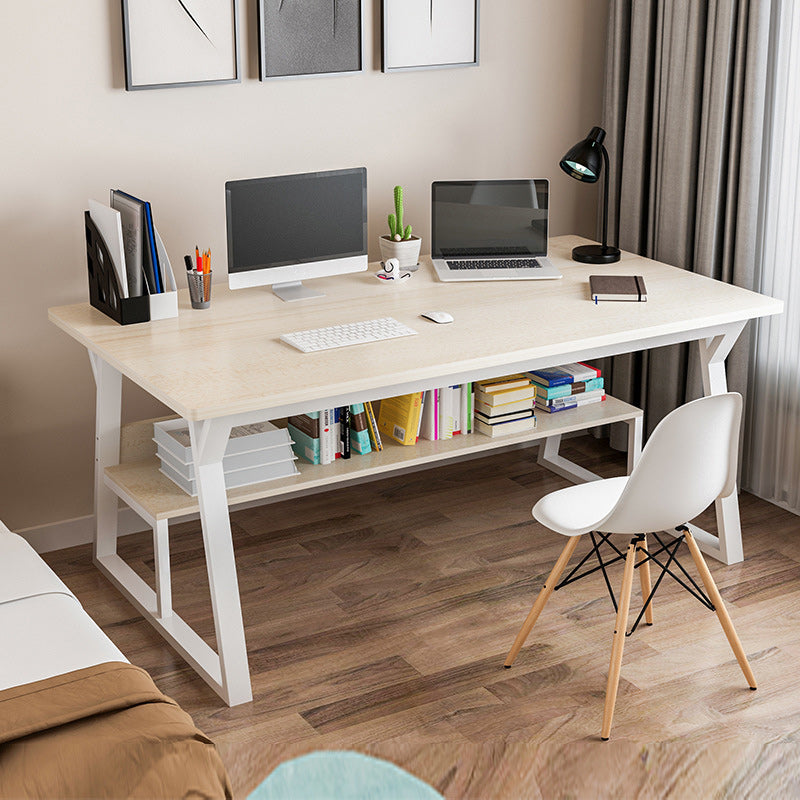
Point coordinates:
[[104, 293]]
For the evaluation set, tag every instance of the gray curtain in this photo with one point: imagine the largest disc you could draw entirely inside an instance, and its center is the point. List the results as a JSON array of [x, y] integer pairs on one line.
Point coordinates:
[[684, 110]]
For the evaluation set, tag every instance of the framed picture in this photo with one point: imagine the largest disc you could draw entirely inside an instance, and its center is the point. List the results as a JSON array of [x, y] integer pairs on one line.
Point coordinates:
[[180, 43], [309, 37], [426, 34]]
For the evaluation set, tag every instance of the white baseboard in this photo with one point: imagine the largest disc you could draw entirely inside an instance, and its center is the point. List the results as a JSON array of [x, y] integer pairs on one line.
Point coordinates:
[[72, 532]]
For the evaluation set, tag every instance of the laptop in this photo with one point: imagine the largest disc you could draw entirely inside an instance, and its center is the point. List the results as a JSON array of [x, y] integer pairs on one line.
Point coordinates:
[[490, 230]]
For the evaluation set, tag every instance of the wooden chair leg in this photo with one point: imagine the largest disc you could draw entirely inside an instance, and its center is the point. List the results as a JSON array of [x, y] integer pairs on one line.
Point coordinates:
[[542, 598], [644, 576], [722, 612], [618, 642]]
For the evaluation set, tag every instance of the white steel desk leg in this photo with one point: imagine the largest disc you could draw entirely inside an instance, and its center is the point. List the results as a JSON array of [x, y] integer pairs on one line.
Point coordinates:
[[209, 440], [108, 414], [163, 574], [634, 441], [728, 546], [549, 457]]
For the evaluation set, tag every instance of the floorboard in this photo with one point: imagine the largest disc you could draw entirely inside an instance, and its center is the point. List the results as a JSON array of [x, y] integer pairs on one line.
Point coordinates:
[[378, 618]]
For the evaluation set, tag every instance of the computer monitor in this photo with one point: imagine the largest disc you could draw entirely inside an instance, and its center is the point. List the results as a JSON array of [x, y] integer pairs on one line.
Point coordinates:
[[289, 228]]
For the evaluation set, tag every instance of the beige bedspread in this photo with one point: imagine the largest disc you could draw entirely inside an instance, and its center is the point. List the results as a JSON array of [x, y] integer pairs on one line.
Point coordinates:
[[104, 731]]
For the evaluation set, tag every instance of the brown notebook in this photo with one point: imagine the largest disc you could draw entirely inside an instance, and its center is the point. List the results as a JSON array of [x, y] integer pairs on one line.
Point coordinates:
[[617, 287]]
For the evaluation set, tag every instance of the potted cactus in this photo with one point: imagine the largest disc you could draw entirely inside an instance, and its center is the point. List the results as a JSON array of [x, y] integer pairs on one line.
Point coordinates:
[[400, 243]]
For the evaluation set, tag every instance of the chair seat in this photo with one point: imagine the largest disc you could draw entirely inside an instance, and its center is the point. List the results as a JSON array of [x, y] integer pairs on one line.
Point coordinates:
[[578, 509]]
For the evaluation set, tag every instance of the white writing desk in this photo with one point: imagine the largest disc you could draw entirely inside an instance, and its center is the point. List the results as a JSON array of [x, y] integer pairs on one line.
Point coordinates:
[[225, 366]]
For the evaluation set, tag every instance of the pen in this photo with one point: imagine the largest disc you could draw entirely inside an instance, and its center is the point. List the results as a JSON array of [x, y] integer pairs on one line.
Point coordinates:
[[188, 262], [197, 256]]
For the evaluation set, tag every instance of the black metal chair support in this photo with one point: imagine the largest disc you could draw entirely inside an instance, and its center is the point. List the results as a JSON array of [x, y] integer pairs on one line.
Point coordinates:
[[671, 549]]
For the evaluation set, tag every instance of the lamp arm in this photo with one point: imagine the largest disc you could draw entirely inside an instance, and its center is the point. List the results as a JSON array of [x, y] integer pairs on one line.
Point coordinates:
[[605, 197]]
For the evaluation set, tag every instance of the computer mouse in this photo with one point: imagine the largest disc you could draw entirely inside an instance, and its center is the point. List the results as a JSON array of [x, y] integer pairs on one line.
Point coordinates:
[[437, 316]]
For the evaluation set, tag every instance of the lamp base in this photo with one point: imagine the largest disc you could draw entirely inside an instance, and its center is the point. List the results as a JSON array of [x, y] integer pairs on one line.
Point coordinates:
[[596, 254]]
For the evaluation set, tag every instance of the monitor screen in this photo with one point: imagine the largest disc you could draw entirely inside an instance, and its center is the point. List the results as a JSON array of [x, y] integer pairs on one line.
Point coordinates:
[[296, 219], [486, 218]]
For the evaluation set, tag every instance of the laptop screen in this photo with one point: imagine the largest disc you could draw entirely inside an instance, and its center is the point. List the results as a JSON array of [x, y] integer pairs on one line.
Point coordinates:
[[489, 218]]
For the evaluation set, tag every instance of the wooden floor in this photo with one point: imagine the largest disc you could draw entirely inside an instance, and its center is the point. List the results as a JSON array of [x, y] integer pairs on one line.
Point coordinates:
[[378, 618]]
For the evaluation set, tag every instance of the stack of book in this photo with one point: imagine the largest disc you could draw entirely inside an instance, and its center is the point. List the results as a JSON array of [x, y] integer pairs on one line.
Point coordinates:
[[321, 437], [255, 453], [567, 386], [504, 405]]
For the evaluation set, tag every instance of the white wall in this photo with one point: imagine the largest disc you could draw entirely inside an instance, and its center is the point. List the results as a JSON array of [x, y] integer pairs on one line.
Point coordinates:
[[70, 131]]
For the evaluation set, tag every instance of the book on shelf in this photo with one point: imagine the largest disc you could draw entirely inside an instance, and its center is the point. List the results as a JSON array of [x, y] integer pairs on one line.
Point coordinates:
[[359, 431], [449, 411], [566, 373], [504, 396], [429, 427], [467, 402], [398, 417], [372, 426], [618, 287], [327, 443], [510, 416], [507, 427], [304, 430], [305, 446], [567, 389], [502, 384], [454, 401], [573, 401], [518, 405], [344, 431]]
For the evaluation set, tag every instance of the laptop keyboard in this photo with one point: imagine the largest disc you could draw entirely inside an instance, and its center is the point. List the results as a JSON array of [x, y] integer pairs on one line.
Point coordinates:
[[495, 263]]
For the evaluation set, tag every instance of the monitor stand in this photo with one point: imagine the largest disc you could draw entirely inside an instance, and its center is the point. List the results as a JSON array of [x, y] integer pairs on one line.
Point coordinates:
[[294, 290]]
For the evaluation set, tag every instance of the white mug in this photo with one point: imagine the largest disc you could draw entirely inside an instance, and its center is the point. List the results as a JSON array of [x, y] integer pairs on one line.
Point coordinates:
[[391, 270]]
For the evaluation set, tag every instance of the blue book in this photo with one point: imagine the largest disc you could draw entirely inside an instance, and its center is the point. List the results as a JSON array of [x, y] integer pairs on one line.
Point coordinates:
[[566, 373], [565, 390], [151, 244]]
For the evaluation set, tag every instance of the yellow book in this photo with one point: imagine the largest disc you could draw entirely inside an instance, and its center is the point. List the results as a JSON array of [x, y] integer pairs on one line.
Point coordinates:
[[398, 417]]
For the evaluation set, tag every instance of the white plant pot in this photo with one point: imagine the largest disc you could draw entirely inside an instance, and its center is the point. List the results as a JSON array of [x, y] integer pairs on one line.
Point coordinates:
[[406, 251]]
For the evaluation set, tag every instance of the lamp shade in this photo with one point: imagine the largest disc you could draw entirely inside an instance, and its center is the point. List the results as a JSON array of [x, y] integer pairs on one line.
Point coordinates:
[[584, 161]]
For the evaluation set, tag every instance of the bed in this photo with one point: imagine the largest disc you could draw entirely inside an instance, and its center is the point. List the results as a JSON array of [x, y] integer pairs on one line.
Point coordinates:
[[76, 718]]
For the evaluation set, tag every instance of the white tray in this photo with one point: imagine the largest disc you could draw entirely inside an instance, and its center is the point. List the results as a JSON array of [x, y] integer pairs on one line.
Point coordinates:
[[241, 477], [233, 462], [269, 436]]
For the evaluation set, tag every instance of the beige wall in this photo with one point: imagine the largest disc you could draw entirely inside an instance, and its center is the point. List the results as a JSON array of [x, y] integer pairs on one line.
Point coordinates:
[[71, 132]]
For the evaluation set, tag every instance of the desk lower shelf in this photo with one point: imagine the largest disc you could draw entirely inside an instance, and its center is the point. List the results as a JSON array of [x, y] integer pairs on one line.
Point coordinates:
[[155, 497]]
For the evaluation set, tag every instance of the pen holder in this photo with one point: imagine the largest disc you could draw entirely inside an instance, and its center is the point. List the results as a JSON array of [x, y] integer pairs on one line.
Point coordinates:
[[199, 288]]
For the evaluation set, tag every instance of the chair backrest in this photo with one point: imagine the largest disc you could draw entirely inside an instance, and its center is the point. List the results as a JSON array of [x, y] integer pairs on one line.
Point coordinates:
[[688, 462]]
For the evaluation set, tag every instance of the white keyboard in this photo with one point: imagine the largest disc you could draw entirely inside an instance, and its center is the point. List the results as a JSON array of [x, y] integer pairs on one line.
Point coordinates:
[[371, 330]]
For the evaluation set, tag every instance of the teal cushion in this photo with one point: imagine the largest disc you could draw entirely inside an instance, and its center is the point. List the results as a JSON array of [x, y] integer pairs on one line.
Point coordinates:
[[333, 775]]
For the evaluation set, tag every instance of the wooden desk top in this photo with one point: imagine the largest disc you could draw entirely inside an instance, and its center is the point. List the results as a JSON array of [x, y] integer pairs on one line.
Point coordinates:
[[228, 359]]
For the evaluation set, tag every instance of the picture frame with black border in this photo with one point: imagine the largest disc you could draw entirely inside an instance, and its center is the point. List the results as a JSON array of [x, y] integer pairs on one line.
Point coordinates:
[[429, 34], [180, 43], [310, 38]]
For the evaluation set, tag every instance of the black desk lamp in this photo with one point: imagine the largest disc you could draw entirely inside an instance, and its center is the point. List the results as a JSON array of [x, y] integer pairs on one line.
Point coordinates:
[[584, 162]]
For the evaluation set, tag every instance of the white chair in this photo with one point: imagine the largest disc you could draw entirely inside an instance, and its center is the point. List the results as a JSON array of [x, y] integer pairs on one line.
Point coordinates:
[[688, 462]]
